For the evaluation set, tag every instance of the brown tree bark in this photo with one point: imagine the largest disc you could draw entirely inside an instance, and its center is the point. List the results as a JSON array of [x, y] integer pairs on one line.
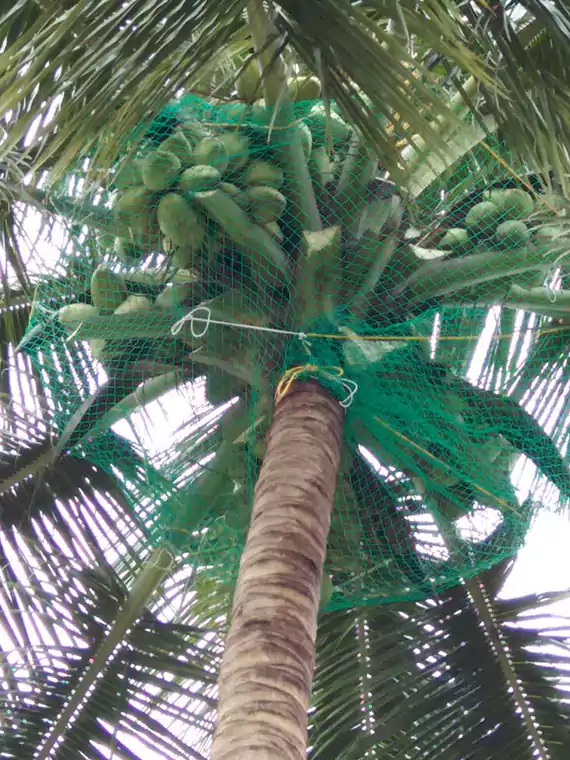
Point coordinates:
[[267, 669]]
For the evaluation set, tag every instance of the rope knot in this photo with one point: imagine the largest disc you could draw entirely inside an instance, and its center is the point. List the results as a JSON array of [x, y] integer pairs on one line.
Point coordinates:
[[330, 373]]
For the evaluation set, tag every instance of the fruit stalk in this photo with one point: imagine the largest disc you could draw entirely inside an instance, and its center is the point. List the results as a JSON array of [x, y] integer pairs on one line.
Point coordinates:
[[274, 79], [358, 170]]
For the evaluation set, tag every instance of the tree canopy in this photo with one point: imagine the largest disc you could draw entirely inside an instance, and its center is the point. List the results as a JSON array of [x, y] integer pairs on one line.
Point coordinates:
[[91, 662]]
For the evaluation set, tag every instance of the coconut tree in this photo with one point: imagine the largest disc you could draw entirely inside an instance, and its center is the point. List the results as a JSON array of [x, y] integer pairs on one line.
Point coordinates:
[[307, 421]]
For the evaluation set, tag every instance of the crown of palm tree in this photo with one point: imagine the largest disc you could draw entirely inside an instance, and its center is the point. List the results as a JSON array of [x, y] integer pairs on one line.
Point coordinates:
[[118, 96]]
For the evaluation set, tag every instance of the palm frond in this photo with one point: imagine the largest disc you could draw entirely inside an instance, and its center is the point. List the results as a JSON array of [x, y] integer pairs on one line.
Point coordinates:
[[528, 93], [161, 675], [146, 55], [62, 521], [425, 680]]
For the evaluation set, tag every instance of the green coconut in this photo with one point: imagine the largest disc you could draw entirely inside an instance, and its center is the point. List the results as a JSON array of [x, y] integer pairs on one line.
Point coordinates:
[[517, 205], [551, 205], [233, 113], [263, 173], [103, 349], [174, 296], [455, 239], [193, 131], [132, 203], [126, 251], [180, 146], [513, 204], [512, 234], [248, 83], [199, 178], [134, 303], [134, 208], [179, 222], [128, 174], [211, 152], [230, 189], [74, 313], [317, 121], [160, 169], [266, 204], [483, 217], [237, 150], [108, 289], [304, 88], [548, 236]]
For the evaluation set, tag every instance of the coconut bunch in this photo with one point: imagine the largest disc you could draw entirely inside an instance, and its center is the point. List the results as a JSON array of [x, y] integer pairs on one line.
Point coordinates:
[[219, 180], [204, 216], [499, 220], [210, 205]]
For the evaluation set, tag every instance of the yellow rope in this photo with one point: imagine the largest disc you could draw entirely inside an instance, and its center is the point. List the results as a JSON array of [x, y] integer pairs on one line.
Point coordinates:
[[293, 373], [501, 336]]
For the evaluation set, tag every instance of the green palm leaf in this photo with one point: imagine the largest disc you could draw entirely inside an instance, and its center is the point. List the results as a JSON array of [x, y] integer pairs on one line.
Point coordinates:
[[119, 80], [425, 680]]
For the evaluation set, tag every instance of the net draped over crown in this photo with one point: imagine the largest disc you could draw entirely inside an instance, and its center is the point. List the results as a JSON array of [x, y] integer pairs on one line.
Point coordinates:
[[196, 264]]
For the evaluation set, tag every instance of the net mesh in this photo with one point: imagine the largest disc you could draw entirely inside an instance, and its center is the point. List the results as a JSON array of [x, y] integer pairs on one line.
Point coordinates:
[[235, 251]]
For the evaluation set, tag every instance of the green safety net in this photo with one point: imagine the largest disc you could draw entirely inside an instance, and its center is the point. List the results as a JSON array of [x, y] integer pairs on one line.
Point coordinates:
[[238, 248]]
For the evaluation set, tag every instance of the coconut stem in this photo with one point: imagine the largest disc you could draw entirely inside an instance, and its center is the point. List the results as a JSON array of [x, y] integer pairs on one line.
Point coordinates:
[[359, 169]]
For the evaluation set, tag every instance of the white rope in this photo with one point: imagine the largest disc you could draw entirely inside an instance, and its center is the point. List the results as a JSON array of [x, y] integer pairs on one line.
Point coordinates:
[[352, 389], [207, 319], [193, 317], [202, 315], [549, 282]]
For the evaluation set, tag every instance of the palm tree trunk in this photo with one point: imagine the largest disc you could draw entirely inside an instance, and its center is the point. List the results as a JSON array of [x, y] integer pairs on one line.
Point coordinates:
[[267, 669]]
